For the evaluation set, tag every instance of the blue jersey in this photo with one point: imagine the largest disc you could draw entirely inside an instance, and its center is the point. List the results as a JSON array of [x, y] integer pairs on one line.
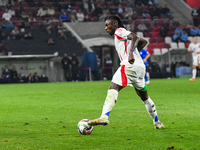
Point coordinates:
[[143, 54]]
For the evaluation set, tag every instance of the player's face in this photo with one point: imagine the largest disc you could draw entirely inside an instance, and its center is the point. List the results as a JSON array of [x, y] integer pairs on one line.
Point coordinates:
[[195, 39], [109, 27]]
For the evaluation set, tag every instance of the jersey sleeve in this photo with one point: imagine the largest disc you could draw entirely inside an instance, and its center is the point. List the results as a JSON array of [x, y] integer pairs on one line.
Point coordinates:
[[122, 33]]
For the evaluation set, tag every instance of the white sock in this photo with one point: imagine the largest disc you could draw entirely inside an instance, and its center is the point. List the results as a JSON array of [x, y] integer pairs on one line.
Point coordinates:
[[109, 103], [150, 106], [194, 72]]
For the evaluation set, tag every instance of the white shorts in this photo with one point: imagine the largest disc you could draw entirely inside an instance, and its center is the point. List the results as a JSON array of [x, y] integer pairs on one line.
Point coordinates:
[[196, 60], [133, 76]]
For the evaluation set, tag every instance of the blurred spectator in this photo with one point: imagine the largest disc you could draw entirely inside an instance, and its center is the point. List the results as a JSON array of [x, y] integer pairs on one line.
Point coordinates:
[[14, 75], [108, 64], [155, 2], [30, 78], [21, 78], [36, 78], [163, 32], [27, 25], [85, 6], [63, 16], [153, 11], [2, 25], [24, 16], [10, 25], [72, 17], [11, 36], [176, 37], [61, 31], [66, 62], [187, 29], [6, 16], [52, 23], [166, 25], [113, 10], [129, 9], [75, 67], [15, 31], [50, 11], [195, 16], [92, 6], [145, 13], [98, 11], [184, 37], [134, 16], [142, 27], [3, 3], [87, 18], [80, 16], [50, 41], [198, 30], [31, 18], [6, 74], [31, 3], [3, 49], [137, 9], [28, 36], [166, 11], [42, 12], [194, 31], [179, 30], [11, 11], [40, 3], [3, 36], [120, 10], [18, 12]]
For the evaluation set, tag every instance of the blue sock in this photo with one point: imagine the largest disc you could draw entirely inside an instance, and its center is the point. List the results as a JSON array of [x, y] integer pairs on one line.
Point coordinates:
[[145, 77]]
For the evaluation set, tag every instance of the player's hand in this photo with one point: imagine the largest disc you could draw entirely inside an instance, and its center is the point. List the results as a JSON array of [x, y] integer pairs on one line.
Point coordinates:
[[131, 58]]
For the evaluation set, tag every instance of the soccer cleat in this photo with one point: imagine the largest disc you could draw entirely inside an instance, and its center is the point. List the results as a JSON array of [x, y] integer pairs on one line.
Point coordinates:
[[98, 122], [192, 79], [159, 125]]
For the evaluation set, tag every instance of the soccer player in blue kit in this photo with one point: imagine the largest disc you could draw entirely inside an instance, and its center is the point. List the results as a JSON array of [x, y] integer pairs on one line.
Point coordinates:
[[145, 55]]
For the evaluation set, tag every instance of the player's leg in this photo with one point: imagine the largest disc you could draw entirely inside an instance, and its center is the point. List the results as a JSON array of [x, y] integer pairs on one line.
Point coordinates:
[[150, 106], [194, 70], [109, 103]]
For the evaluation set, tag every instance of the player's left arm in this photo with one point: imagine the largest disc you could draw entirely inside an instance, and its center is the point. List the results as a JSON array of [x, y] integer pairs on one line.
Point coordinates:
[[136, 42], [141, 44], [145, 59]]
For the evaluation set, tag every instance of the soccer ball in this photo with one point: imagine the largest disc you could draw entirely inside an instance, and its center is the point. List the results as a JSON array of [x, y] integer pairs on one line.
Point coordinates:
[[83, 127]]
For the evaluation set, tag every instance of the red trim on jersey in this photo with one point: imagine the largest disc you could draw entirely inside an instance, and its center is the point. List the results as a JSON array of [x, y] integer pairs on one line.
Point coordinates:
[[125, 45], [118, 37], [123, 76], [121, 57]]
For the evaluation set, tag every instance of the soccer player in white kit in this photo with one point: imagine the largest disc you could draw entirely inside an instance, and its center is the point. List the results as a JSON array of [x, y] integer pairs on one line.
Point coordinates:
[[195, 49], [131, 71]]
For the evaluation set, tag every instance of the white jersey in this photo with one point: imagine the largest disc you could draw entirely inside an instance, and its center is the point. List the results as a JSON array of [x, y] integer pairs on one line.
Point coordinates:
[[195, 48], [122, 46]]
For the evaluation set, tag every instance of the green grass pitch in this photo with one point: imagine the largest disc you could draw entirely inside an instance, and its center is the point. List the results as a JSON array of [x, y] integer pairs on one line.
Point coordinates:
[[45, 116]]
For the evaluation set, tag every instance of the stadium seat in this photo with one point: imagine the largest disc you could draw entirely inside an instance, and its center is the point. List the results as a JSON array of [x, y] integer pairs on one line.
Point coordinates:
[[159, 45], [153, 40], [147, 34], [168, 39], [156, 51], [148, 17], [164, 50], [140, 34], [156, 29], [190, 38], [160, 40], [170, 33], [151, 45], [174, 45], [154, 34], [187, 44], [166, 45], [150, 50], [181, 45], [156, 17]]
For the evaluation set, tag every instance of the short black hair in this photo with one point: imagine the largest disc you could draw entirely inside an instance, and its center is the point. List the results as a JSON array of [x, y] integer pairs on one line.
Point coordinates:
[[116, 18]]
